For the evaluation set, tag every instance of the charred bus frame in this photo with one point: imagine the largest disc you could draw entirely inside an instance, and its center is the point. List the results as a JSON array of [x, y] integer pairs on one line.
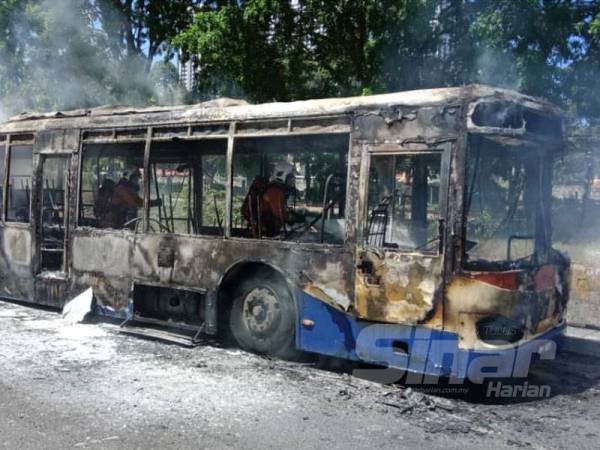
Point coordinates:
[[369, 277]]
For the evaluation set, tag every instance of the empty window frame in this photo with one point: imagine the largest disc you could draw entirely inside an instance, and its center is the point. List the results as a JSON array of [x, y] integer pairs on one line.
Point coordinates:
[[403, 202], [187, 187], [290, 188], [20, 172], [112, 192]]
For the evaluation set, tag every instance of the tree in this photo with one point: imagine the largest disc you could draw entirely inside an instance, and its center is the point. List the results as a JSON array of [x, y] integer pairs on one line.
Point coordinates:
[[143, 28], [285, 50], [57, 54], [274, 50], [532, 41], [16, 29], [71, 53]]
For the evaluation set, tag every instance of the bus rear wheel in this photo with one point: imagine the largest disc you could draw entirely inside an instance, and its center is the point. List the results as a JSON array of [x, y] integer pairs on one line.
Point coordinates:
[[263, 317]]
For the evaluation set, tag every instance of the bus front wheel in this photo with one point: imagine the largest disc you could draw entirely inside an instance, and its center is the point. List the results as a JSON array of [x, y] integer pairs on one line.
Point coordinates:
[[263, 317]]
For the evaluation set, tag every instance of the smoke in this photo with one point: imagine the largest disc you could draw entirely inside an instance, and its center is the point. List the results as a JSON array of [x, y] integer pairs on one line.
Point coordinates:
[[69, 57], [497, 68]]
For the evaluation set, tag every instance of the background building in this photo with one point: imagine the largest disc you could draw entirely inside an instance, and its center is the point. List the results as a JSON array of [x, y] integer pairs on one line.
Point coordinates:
[[187, 71]]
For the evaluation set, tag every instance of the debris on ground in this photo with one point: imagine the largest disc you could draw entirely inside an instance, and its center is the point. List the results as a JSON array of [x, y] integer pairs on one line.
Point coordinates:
[[221, 395], [77, 309]]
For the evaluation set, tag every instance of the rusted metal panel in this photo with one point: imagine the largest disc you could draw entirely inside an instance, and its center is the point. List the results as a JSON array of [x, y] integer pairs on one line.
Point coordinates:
[[112, 292], [102, 251], [405, 126], [17, 245], [51, 290]]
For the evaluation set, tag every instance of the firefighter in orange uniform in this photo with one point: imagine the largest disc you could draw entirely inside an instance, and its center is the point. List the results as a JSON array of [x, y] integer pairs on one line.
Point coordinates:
[[265, 206], [125, 202]]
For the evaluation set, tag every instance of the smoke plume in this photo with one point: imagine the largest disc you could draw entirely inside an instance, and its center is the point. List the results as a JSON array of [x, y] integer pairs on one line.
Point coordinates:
[[70, 58]]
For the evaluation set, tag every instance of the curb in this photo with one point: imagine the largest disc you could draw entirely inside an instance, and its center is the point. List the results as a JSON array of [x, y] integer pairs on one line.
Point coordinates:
[[583, 341]]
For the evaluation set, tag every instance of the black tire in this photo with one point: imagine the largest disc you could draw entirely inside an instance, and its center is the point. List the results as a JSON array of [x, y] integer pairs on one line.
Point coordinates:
[[263, 317]]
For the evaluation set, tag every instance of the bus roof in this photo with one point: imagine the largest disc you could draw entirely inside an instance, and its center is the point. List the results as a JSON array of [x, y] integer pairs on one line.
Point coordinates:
[[225, 109]]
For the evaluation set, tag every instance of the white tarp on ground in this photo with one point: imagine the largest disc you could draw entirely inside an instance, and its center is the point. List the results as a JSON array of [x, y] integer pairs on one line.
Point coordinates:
[[76, 309]]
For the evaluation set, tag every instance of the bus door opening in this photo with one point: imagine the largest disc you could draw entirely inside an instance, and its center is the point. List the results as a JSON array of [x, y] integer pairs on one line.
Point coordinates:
[[53, 195], [400, 267]]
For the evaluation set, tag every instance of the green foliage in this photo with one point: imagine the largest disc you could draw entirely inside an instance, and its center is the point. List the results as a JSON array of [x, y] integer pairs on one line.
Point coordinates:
[[71, 53], [280, 50], [271, 50]]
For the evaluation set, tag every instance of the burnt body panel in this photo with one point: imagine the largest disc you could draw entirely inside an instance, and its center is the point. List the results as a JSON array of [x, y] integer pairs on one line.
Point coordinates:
[[16, 277], [407, 126], [110, 261], [401, 288], [534, 300]]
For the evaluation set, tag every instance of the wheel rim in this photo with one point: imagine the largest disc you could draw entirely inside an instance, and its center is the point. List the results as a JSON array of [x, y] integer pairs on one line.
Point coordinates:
[[261, 312]]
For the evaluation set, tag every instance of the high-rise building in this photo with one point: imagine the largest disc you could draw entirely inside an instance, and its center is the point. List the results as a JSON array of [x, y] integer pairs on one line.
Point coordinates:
[[187, 72]]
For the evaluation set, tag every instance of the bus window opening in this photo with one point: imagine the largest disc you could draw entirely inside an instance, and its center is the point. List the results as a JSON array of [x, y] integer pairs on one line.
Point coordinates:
[[111, 186], [20, 171], [290, 188], [403, 204], [188, 183]]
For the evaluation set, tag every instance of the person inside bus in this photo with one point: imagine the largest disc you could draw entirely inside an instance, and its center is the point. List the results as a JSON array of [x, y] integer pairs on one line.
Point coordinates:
[[104, 200], [266, 205], [123, 203]]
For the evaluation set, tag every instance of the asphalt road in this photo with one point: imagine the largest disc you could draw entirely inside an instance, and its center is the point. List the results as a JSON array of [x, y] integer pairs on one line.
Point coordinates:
[[87, 386]]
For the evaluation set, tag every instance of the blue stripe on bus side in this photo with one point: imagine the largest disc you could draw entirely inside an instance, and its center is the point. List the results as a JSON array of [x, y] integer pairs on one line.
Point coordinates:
[[335, 333], [430, 352]]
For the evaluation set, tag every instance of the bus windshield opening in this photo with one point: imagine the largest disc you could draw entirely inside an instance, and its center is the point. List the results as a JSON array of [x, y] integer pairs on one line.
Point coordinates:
[[506, 218]]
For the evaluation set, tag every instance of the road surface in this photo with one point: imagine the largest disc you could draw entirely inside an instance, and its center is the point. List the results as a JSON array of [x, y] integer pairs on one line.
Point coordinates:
[[88, 386]]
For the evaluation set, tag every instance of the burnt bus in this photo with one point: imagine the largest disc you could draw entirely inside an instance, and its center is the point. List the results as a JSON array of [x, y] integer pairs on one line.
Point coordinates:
[[417, 231]]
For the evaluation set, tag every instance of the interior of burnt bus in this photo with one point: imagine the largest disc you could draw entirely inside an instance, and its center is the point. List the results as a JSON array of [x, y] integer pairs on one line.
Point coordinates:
[[507, 209], [308, 173], [404, 202], [283, 187], [290, 188]]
